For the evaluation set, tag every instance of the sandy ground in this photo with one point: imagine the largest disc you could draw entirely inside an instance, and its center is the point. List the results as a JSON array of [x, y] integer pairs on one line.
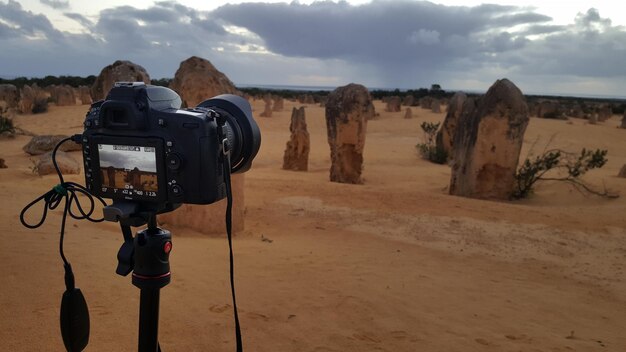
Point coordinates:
[[394, 264]]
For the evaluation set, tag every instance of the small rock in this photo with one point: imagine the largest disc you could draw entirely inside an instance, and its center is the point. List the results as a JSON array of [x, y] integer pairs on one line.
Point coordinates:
[[2, 164], [64, 96], [45, 143], [622, 172], [268, 109], [67, 164], [279, 104], [408, 114], [9, 94], [435, 106], [393, 104]]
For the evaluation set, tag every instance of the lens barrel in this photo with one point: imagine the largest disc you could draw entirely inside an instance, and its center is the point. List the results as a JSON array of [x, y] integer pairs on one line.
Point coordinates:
[[243, 132]]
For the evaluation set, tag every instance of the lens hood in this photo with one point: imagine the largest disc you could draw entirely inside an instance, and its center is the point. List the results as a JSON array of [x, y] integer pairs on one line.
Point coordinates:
[[243, 125]]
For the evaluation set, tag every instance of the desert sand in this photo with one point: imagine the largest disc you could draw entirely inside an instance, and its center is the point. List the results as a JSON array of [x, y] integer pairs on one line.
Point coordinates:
[[395, 264]]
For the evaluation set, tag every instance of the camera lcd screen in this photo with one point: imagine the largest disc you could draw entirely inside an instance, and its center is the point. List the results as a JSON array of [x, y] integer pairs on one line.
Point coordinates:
[[128, 170]]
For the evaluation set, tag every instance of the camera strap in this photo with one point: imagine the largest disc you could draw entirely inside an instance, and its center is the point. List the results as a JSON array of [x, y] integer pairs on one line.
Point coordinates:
[[229, 230]]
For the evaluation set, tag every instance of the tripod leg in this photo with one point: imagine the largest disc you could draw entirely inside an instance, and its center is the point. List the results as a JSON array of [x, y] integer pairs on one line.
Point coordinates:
[[149, 320]]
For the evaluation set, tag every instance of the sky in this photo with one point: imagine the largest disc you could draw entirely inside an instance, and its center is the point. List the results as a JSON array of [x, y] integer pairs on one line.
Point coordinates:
[[123, 159], [545, 47]]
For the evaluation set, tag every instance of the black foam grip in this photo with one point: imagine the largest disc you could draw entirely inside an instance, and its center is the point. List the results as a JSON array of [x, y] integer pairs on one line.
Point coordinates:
[[74, 320]]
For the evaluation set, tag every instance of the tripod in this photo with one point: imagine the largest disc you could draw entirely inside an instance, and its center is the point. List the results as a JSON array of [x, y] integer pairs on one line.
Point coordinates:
[[147, 256]]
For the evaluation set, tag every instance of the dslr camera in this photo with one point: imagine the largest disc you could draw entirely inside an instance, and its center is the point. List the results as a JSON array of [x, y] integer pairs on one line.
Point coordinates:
[[140, 146]]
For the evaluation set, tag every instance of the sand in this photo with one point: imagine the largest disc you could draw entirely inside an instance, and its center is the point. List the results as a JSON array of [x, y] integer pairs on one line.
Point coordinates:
[[395, 264]]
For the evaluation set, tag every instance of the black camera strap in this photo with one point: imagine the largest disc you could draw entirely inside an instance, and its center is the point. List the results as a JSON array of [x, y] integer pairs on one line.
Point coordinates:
[[229, 232]]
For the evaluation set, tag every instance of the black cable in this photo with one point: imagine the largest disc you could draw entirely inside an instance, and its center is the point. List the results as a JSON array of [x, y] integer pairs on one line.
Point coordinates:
[[229, 231], [51, 200]]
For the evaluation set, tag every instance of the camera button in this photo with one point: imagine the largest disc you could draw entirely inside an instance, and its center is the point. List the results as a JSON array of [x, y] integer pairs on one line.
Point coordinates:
[[167, 247], [173, 161], [176, 190]]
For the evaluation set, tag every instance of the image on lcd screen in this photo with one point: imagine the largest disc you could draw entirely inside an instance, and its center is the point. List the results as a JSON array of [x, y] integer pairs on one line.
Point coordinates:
[[128, 169]]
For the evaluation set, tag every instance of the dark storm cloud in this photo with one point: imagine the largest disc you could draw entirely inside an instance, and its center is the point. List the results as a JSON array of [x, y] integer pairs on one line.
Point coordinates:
[[165, 25], [382, 43], [56, 4], [25, 22], [378, 31], [422, 39], [159, 38]]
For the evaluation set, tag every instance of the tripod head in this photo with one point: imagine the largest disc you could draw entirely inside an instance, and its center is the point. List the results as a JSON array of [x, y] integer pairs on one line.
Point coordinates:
[[147, 254]]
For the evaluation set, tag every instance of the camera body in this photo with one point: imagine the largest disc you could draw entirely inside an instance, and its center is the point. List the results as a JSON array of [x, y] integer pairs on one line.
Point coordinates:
[[139, 146]]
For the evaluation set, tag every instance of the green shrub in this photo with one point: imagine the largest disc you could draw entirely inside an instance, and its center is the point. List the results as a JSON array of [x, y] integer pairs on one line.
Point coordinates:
[[567, 167], [429, 150], [6, 125]]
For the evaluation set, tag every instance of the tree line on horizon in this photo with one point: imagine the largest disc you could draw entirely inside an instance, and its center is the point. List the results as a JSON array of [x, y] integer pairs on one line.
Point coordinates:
[[435, 90], [76, 81]]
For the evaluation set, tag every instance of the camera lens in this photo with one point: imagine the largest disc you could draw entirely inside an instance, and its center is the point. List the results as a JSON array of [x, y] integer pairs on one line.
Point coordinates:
[[242, 131]]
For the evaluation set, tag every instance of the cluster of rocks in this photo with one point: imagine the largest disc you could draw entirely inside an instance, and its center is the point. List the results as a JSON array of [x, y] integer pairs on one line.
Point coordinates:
[[430, 103], [394, 103], [33, 99], [594, 112], [347, 110], [409, 100], [307, 99]]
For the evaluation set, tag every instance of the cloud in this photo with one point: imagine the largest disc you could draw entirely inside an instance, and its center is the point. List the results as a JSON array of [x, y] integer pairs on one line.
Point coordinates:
[[393, 43], [56, 4], [25, 23], [413, 42], [84, 21]]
